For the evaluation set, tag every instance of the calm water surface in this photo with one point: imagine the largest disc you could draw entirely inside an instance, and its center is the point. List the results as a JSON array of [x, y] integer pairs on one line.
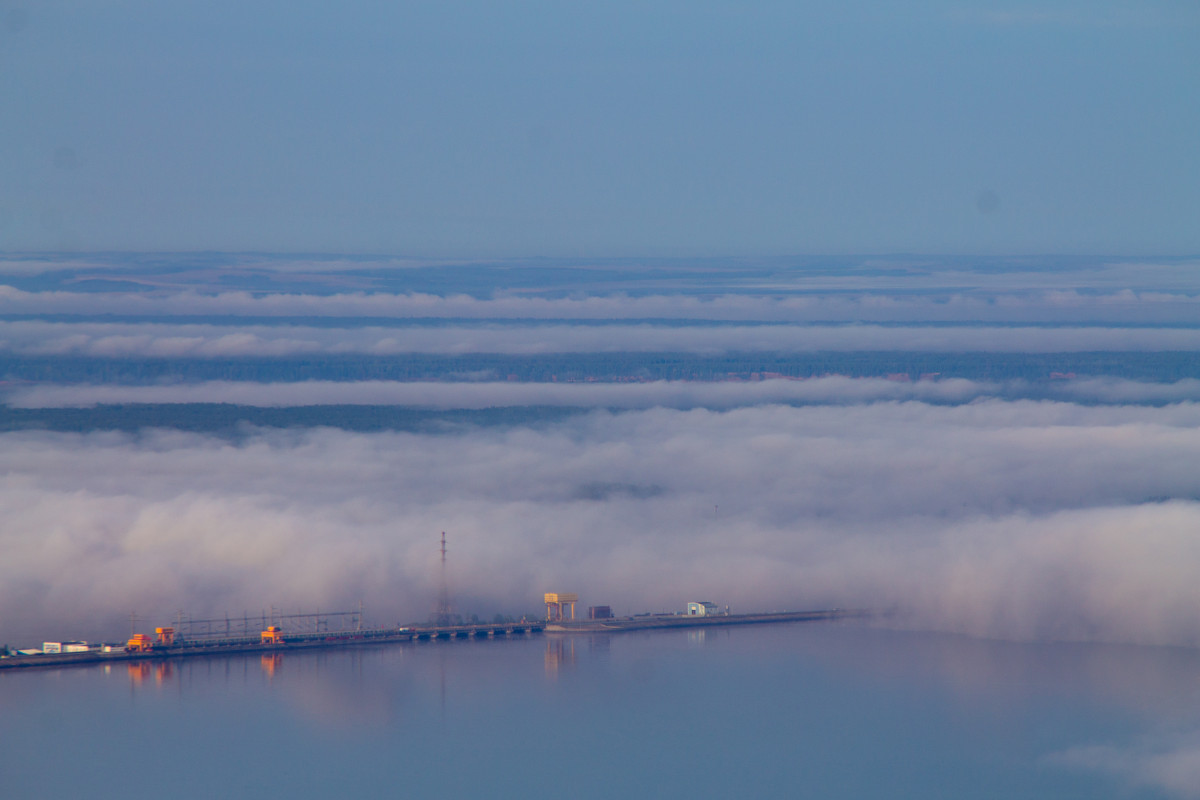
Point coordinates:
[[816, 710]]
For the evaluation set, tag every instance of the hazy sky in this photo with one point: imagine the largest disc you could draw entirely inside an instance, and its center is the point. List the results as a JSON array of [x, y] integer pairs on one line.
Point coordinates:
[[605, 128]]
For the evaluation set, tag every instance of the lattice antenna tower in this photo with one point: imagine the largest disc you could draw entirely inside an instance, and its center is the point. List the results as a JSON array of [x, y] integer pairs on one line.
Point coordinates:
[[443, 607]]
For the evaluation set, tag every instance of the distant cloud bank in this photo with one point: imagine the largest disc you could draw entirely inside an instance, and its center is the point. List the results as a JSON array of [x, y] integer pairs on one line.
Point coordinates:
[[816, 300], [833, 390], [35, 337]]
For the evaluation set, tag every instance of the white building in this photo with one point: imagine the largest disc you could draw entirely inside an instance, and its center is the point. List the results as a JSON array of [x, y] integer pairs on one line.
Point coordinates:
[[702, 609]]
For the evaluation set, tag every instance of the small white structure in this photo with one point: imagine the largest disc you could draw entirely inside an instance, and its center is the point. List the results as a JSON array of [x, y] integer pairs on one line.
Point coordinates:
[[704, 608], [64, 647]]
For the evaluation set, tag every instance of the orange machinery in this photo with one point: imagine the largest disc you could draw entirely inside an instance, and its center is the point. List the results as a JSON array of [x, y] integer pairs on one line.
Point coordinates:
[[272, 635], [139, 643]]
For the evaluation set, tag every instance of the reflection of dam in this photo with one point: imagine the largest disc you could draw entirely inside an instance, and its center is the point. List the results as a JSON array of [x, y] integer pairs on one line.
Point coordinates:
[[270, 663], [560, 653], [140, 672], [328, 685], [324, 685]]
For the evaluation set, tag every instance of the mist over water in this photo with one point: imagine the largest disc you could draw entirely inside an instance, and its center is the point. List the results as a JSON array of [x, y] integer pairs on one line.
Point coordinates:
[[1030, 520]]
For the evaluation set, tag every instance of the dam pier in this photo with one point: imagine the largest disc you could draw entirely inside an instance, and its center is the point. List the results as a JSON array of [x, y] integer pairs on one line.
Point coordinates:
[[170, 644]]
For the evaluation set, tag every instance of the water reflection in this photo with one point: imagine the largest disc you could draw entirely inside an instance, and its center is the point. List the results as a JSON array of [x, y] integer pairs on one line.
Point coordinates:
[[1151, 681], [140, 672], [270, 663], [326, 687], [1147, 681], [560, 654], [842, 710]]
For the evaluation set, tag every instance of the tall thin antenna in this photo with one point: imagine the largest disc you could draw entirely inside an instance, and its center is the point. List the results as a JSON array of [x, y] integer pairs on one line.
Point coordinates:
[[442, 615]]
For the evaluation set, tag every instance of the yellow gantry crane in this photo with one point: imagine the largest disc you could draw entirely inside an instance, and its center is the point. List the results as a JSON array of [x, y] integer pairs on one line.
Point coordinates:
[[555, 602]]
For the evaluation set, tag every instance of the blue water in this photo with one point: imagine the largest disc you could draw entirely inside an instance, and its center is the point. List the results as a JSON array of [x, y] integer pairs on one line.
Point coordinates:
[[799, 710]]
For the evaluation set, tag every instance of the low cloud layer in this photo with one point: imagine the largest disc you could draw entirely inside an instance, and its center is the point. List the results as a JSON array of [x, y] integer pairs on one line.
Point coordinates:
[[833, 390], [1010, 519], [967, 297], [220, 341]]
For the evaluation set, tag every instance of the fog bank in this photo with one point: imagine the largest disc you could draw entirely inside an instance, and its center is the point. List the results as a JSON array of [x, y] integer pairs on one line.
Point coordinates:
[[162, 340], [831, 390], [1134, 295], [1008, 519]]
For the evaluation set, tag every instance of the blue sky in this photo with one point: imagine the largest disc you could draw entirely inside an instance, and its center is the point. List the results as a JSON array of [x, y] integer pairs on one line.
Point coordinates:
[[603, 129]]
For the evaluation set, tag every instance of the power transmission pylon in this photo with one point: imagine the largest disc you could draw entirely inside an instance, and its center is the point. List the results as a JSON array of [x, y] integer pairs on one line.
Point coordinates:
[[442, 615]]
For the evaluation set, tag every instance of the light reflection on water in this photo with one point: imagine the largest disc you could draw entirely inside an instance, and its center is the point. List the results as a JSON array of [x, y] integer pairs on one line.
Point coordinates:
[[817, 709]]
